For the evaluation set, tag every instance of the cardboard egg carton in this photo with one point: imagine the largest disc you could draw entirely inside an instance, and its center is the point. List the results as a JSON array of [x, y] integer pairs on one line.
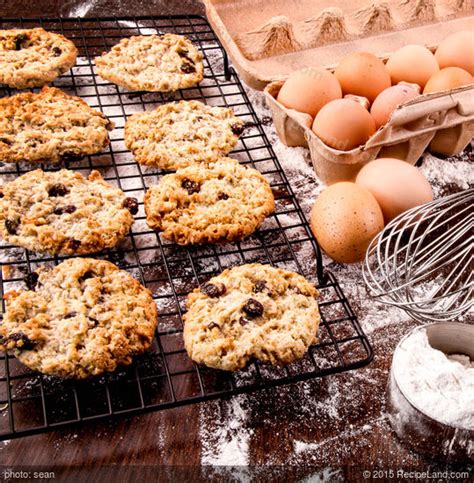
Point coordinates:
[[442, 122], [268, 39]]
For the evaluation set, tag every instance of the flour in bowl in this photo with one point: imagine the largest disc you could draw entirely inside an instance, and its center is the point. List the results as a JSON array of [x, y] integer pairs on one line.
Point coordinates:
[[439, 385]]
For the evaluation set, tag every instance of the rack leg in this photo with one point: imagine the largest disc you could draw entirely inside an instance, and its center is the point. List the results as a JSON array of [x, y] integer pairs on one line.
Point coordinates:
[[226, 66]]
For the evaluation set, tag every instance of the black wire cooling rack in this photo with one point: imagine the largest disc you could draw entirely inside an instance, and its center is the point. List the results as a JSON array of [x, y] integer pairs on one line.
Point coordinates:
[[165, 377]]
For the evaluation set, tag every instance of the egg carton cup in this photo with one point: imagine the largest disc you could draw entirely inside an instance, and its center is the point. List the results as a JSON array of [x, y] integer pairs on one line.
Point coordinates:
[[424, 434], [442, 122]]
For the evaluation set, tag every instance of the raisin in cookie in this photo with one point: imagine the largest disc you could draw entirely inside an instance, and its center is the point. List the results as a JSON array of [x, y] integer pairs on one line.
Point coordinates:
[[251, 312], [33, 57], [63, 212], [181, 134], [49, 127], [159, 63], [224, 201], [78, 319]]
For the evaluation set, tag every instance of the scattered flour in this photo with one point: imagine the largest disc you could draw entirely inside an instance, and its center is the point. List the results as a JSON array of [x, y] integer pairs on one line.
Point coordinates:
[[326, 475], [225, 442], [302, 446], [225, 445], [440, 386], [82, 9], [440, 172]]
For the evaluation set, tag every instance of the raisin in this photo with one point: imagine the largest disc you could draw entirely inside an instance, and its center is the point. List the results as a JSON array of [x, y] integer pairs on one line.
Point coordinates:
[[95, 322], [86, 275], [184, 54], [20, 38], [57, 51], [237, 128], [22, 340], [6, 141], [12, 226], [70, 315], [190, 186], [31, 280], [213, 290], [213, 325], [74, 244], [243, 321], [260, 286], [65, 209], [253, 308], [131, 204], [188, 67], [58, 190], [223, 196], [1, 194]]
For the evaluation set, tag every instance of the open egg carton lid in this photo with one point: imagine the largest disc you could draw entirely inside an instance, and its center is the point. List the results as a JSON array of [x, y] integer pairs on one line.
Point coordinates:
[[267, 40]]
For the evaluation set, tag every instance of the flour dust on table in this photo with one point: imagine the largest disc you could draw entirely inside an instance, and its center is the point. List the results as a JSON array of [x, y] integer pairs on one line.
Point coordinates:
[[231, 430]]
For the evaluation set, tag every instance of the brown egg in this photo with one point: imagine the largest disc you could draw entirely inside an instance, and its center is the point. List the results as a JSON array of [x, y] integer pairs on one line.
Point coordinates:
[[363, 74], [448, 78], [343, 124], [457, 50], [308, 90], [412, 63], [388, 100], [396, 185], [344, 219]]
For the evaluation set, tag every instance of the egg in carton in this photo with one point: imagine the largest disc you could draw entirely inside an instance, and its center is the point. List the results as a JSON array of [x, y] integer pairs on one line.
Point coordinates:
[[442, 122], [314, 33]]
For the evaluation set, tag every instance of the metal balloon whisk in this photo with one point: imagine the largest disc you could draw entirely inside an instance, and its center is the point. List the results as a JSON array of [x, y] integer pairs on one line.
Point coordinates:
[[422, 261]]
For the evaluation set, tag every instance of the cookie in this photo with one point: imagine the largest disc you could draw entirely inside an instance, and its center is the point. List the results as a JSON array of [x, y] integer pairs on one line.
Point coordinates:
[[181, 134], [50, 127], [33, 57], [158, 63], [79, 319], [224, 201], [62, 212], [250, 312]]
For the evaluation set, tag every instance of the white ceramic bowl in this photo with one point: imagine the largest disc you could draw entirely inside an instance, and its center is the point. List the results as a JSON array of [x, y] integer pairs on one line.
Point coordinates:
[[420, 431]]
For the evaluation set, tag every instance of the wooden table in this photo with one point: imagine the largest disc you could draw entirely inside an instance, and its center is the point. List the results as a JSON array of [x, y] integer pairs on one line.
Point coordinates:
[[170, 445]]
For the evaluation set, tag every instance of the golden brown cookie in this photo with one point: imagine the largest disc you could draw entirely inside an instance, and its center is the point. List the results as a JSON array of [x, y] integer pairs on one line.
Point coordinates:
[[249, 312], [181, 134], [79, 319], [61, 212], [152, 63], [222, 202], [33, 57], [49, 127]]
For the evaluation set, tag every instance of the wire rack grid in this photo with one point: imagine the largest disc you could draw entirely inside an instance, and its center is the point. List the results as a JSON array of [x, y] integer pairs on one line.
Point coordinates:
[[165, 377]]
